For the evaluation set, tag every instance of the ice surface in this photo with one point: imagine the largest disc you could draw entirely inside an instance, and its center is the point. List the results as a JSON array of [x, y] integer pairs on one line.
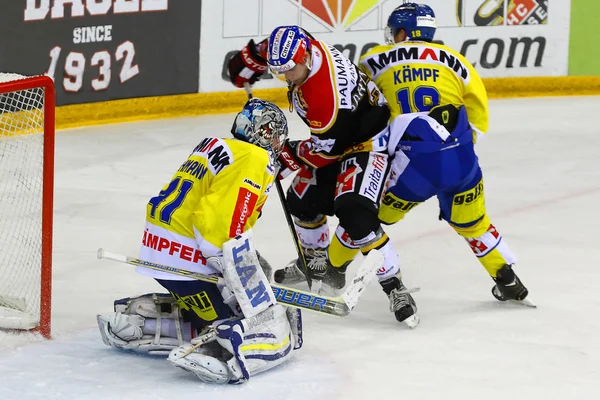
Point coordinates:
[[541, 164]]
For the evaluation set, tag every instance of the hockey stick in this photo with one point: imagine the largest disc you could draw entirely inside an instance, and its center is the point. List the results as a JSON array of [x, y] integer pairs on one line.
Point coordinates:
[[288, 215], [290, 224], [339, 306]]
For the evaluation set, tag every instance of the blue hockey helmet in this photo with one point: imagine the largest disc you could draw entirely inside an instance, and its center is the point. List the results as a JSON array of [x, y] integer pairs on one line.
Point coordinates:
[[417, 20], [287, 47], [263, 124]]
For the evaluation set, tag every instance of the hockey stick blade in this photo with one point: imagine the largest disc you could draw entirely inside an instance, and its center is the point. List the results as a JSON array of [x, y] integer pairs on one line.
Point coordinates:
[[286, 296], [362, 278]]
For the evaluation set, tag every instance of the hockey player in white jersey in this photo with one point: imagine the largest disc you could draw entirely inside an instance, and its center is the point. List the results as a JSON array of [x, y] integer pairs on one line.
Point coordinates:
[[217, 194]]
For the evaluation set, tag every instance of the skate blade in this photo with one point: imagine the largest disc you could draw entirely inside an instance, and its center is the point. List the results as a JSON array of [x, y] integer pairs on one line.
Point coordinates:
[[409, 291], [412, 321], [525, 302], [291, 280]]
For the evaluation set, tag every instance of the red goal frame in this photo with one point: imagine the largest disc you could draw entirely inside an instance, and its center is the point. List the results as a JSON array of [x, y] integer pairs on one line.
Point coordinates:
[[47, 84]]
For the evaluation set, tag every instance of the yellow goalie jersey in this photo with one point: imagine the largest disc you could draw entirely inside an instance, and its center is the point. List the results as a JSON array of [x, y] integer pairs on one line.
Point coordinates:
[[418, 76], [216, 194]]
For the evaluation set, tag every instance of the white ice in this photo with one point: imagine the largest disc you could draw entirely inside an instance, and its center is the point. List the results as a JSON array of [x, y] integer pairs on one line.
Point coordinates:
[[541, 164]]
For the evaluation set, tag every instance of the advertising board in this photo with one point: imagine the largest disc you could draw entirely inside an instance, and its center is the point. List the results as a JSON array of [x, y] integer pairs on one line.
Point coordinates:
[[502, 38]]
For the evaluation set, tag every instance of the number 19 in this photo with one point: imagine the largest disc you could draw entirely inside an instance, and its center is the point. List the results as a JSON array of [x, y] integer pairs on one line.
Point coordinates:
[[424, 98]]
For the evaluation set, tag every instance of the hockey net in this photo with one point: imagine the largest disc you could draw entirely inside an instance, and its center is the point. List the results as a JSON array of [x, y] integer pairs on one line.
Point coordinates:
[[26, 194]]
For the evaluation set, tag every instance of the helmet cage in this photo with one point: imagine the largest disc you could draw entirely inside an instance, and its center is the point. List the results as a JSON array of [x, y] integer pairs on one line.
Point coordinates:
[[262, 124]]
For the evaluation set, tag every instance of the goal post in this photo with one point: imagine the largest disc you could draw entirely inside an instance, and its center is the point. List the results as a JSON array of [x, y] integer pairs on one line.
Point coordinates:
[[27, 106]]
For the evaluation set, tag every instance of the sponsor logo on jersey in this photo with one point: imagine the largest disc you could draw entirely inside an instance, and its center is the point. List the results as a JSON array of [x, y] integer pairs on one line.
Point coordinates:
[[374, 177], [401, 205], [244, 207], [252, 184], [403, 55], [172, 247], [346, 77], [469, 196], [216, 152], [347, 178]]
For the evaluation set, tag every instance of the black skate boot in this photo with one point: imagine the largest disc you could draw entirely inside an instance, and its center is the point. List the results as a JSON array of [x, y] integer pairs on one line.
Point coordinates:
[[335, 277], [402, 304], [292, 273], [508, 285], [316, 262]]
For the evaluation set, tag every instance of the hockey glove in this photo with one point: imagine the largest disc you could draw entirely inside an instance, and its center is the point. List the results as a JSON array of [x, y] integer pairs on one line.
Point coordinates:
[[288, 160], [248, 65]]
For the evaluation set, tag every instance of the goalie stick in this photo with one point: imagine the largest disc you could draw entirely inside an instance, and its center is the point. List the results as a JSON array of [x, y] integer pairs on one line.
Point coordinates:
[[339, 306]]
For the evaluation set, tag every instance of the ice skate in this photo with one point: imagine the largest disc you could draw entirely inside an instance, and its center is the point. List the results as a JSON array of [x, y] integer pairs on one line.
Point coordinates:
[[335, 277], [292, 273], [510, 288], [402, 303], [316, 261]]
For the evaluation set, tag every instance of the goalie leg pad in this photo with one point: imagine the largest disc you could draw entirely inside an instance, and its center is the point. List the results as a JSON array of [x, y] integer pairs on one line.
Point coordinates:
[[244, 276], [247, 352], [147, 324]]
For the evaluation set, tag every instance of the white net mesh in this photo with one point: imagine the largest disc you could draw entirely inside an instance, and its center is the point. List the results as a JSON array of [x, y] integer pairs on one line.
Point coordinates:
[[21, 177]]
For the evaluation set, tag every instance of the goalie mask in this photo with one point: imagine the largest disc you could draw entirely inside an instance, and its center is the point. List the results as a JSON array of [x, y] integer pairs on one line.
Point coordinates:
[[263, 124]]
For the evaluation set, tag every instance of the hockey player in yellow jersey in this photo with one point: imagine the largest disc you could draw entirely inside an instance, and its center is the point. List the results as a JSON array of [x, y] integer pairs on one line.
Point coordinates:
[[418, 76], [216, 194]]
